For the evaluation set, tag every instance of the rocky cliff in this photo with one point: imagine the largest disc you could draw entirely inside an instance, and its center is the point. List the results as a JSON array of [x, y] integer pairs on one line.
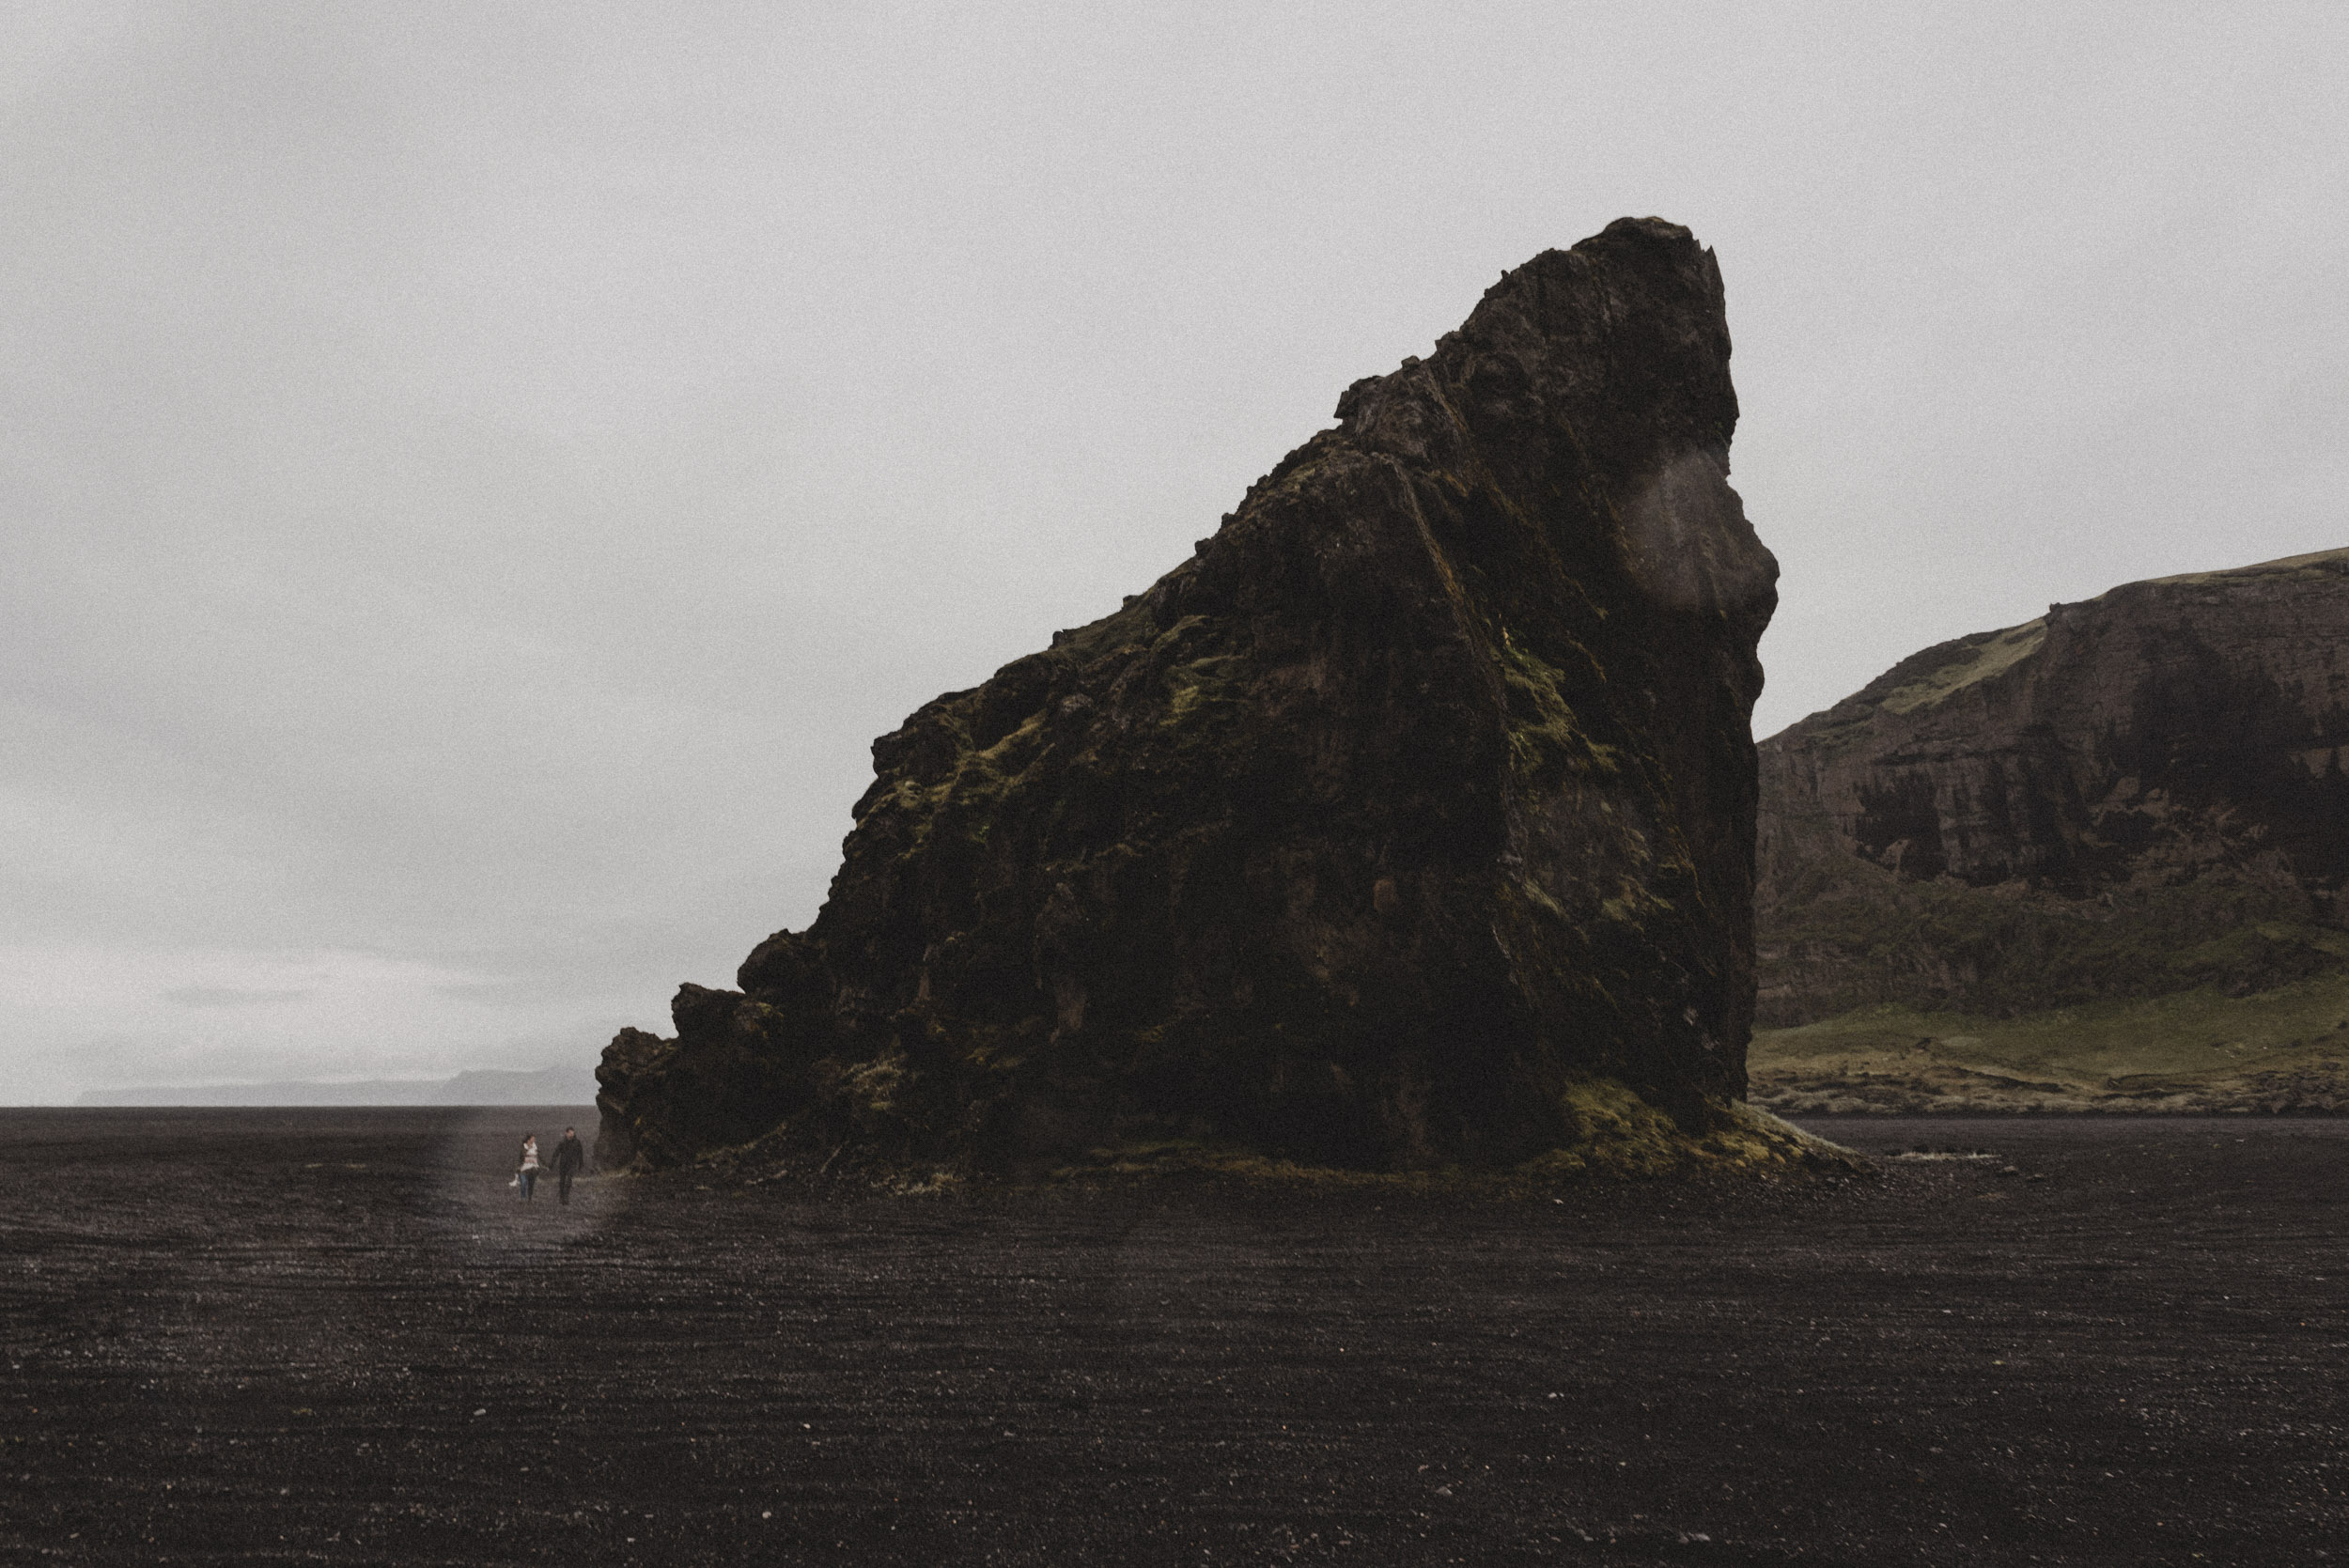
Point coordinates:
[[1406, 824], [2137, 796]]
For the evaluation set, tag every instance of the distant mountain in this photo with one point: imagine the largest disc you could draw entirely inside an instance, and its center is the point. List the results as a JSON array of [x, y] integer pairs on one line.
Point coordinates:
[[497, 1086], [480, 1086], [2092, 860]]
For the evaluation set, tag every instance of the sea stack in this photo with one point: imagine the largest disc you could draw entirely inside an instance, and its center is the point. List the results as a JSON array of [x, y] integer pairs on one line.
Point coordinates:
[[1408, 824]]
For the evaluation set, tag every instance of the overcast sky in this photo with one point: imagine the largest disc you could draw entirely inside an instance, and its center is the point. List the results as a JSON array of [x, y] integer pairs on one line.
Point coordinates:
[[476, 477]]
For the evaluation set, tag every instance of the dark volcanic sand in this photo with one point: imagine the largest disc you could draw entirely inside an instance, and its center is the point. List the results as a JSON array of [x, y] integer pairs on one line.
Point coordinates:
[[330, 1336]]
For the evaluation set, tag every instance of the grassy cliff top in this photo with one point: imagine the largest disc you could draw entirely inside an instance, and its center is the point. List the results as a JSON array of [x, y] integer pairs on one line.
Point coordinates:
[[2314, 562], [1934, 675], [2198, 1051]]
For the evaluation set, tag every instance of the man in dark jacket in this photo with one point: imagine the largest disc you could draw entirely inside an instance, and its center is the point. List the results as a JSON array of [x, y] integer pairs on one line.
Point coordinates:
[[570, 1156]]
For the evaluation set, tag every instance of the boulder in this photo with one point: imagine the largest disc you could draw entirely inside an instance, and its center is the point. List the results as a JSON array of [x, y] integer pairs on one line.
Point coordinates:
[[1407, 824]]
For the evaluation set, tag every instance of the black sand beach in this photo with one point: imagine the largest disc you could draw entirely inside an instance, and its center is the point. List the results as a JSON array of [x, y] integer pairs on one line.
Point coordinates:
[[320, 1335]]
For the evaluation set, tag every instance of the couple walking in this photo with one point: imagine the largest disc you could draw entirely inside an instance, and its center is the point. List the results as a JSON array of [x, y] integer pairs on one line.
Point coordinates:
[[570, 1156]]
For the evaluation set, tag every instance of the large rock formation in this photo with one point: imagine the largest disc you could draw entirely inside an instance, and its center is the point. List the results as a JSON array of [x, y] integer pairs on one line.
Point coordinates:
[[2138, 794], [1409, 822]]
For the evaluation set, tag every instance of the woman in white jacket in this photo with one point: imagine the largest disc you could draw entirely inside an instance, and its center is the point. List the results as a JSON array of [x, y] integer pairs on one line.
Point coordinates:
[[526, 1173]]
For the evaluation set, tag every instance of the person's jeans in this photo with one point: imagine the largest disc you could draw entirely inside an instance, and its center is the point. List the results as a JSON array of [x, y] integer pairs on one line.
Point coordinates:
[[563, 1187], [530, 1179]]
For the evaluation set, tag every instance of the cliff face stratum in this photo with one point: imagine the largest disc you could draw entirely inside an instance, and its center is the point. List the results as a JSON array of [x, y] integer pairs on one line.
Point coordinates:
[[1407, 824], [2140, 797]]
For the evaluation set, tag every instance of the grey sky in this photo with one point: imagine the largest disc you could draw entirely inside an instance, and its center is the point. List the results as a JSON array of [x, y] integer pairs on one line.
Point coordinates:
[[474, 478]]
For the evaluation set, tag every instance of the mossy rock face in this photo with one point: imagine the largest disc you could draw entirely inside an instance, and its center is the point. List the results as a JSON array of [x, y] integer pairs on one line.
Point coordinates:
[[1424, 792]]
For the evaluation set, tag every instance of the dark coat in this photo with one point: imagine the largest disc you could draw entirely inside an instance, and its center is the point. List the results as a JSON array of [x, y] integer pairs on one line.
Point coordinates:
[[570, 1156]]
